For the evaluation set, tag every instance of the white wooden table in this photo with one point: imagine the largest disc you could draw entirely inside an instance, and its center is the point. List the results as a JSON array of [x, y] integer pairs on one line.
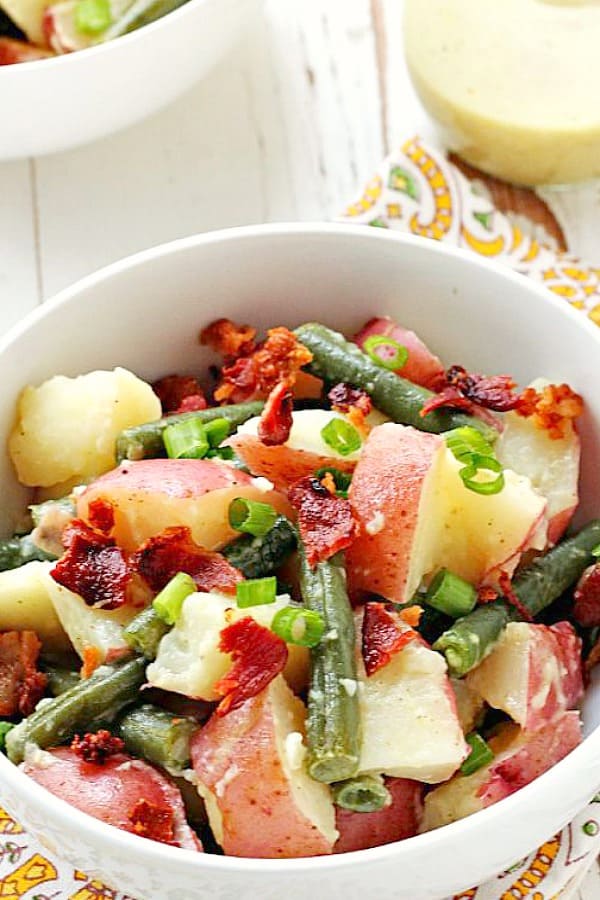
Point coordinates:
[[285, 128]]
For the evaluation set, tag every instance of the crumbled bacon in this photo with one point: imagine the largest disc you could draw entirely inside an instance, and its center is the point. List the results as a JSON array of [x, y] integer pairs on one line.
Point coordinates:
[[179, 393], [96, 748], [276, 419], [152, 821], [449, 397], [486, 594], [326, 522], [279, 358], [490, 391], [258, 655], [93, 567], [101, 515], [344, 397], [509, 595], [229, 339], [21, 685], [161, 557], [553, 408], [383, 634], [586, 608]]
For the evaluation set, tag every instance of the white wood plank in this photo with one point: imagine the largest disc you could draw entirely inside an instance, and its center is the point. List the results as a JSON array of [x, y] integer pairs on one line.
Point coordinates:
[[284, 128], [19, 284]]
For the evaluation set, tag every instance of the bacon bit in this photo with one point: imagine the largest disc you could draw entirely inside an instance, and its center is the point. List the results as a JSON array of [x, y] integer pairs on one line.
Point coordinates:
[[21, 685], [276, 419], [92, 658], [486, 594], [279, 358], [326, 522], [383, 635], [101, 515], [153, 822], [161, 557], [586, 608], [192, 403], [96, 748], [343, 397], [356, 417], [553, 408], [93, 567], [510, 597], [258, 656], [174, 390], [229, 339], [411, 615], [490, 391], [448, 397]]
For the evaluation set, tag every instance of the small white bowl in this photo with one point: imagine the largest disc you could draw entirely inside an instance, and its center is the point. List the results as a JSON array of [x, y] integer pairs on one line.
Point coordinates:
[[54, 104], [145, 313]]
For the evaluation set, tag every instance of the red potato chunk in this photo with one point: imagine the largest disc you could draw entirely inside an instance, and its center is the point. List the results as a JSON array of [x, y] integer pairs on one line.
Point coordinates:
[[12, 51], [260, 800], [302, 454], [520, 757], [551, 464], [153, 494], [112, 792], [533, 674], [400, 820], [416, 516], [422, 366]]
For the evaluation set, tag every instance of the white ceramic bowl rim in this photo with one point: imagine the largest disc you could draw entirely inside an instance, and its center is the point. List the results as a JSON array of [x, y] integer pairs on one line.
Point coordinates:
[[64, 58], [585, 758]]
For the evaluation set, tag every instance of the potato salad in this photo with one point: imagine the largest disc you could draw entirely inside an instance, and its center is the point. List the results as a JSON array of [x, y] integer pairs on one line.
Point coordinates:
[[323, 596]]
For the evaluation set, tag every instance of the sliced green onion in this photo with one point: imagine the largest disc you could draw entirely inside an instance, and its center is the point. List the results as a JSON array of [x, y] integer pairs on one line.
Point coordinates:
[[298, 626], [167, 604], [470, 481], [216, 431], [92, 16], [363, 794], [186, 440], [342, 479], [596, 551], [251, 517], [220, 453], [451, 595], [341, 436], [256, 592], [5, 727], [385, 351], [466, 441], [481, 754]]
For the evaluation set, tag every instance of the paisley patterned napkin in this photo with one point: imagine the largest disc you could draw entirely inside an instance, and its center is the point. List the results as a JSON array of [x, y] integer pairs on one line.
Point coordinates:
[[421, 191]]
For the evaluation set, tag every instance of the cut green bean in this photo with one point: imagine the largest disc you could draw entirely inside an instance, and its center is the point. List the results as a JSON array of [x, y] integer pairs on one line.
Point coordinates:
[[257, 557], [145, 632], [60, 679], [96, 699], [337, 360], [145, 441], [17, 551], [158, 736], [333, 723], [472, 637], [363, 794]]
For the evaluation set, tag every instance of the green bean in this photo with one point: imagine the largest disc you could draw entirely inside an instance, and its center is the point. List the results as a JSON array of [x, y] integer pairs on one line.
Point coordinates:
[[256, 557], [158, 736], [17, 551], [333, 724], [93, 700], [145, 441], [472, 637], [60, 679], [337, 360], [145, 632], [362, 794]]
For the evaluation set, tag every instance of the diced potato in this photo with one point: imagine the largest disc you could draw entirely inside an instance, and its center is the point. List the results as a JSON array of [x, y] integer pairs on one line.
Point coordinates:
[[28, 15], [66, 428], [25, 604], [189, 661], [396, 822], [260, 800], [87, 627]]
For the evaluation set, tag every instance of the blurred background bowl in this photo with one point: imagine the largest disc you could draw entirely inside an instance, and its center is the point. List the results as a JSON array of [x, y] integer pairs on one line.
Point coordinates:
[[53, 104]]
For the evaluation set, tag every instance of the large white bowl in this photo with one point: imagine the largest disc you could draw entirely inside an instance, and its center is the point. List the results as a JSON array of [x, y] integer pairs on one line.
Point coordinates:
[[53, 104], [145, 313]]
